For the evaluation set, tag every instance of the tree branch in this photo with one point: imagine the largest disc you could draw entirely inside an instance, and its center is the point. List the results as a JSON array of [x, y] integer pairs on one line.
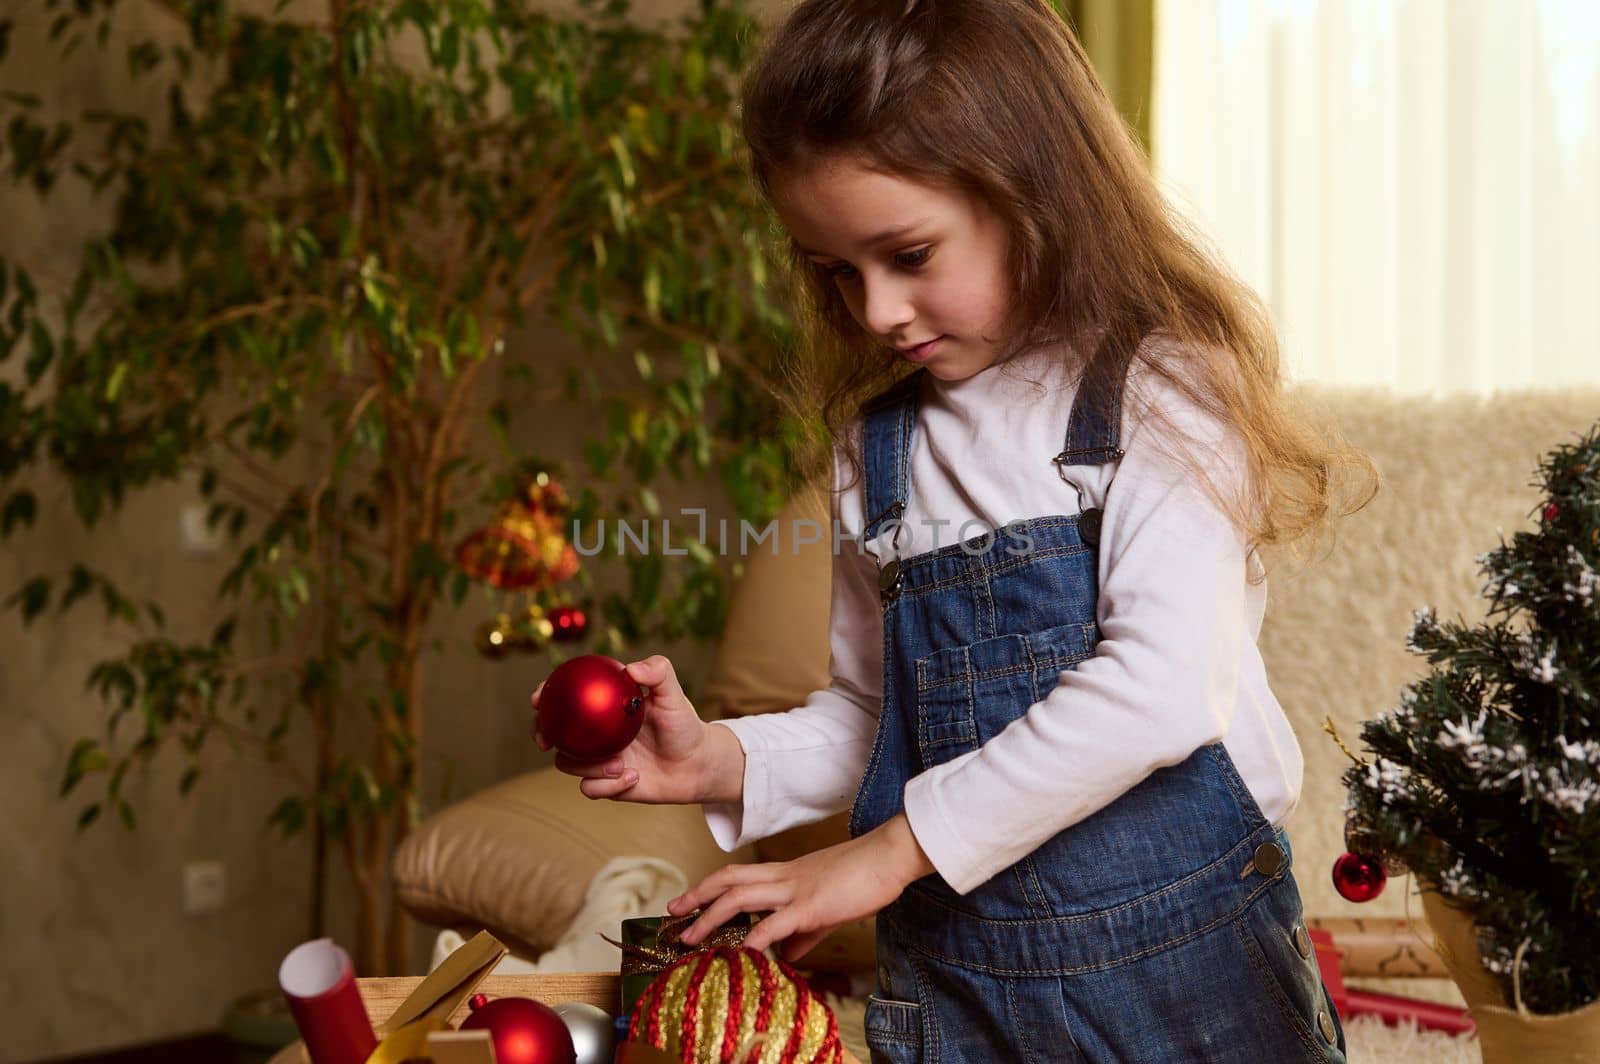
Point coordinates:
[[251, 309], [314, 516]]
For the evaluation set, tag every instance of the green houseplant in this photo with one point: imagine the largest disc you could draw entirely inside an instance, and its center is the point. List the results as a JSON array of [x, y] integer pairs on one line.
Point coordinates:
[[307, 301]]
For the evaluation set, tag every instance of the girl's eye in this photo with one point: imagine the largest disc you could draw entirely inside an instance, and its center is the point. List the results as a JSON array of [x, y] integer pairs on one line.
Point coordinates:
[[911, 260]]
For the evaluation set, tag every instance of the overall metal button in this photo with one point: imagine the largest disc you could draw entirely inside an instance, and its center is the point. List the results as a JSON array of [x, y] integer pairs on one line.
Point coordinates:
[[1302, 941], [889, 580], [1325, 1025], [1089, 526], [1269, 858]]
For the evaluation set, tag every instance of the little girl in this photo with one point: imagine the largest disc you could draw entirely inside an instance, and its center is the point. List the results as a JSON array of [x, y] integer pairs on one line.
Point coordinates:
[[1069, 771]]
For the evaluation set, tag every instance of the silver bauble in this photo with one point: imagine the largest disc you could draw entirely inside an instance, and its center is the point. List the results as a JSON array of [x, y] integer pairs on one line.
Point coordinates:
[[593, 1035]]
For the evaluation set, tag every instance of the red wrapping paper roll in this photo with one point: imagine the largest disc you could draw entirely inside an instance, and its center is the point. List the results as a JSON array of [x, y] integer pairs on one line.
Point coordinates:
[[320, 983], [1390, 1008], [1393, 1009]]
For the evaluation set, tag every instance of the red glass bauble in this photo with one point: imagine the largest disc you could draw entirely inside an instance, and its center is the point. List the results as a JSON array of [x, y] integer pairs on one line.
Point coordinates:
[[568, 624], [590, 708], [1358, 877], [523, 1030], [1551, 512]]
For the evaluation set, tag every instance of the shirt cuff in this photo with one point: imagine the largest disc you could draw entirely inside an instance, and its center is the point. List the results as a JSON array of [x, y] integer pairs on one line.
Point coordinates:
[[731, 823], [935, 831]]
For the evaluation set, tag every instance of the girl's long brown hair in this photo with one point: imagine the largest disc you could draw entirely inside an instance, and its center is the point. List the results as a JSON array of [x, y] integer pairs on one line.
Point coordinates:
[[995, 99]]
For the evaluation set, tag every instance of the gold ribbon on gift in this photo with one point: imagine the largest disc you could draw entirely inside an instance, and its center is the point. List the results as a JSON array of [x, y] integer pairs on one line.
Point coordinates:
[[669, 947]]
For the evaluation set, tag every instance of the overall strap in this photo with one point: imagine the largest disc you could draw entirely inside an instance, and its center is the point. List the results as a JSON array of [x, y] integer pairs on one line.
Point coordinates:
[[1094, 430], [889, 419]]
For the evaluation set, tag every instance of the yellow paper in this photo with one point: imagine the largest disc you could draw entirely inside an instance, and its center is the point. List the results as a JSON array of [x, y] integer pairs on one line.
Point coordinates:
[[442, 992], [461, 1047], [408, 1043]]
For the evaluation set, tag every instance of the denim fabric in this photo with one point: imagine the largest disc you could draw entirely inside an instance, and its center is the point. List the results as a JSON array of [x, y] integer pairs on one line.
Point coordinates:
[[1142, 933]]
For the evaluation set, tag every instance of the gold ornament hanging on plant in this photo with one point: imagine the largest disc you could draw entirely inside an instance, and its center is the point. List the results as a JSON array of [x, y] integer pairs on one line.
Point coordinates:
[[524, 548]]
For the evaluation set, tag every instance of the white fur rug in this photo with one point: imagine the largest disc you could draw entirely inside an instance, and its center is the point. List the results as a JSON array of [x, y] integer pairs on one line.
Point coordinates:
[[1369, 1040]]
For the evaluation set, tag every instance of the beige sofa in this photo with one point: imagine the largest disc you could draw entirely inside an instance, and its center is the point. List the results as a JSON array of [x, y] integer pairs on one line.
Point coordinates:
[[517, 857]]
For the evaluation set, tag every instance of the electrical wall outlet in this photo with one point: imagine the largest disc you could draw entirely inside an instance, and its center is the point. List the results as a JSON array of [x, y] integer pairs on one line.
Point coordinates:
[[193, 535], [205, 887]]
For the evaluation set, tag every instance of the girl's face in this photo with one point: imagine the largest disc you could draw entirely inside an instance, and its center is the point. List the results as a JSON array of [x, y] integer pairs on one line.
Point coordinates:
[[917, 265]]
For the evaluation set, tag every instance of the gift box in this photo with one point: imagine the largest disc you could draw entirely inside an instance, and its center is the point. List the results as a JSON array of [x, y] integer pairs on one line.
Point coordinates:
[[650, 944]]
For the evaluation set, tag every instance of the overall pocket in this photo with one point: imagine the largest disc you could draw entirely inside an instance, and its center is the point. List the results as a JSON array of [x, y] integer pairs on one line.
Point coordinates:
[[894, 1031], [1283, 961], [968, 694]]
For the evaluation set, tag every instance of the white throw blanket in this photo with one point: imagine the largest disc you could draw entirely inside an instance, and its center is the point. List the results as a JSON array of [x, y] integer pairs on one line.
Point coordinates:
[[627, 887]]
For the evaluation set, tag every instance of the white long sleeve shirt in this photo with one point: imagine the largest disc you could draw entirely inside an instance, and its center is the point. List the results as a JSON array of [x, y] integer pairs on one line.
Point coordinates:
[[1177, 666]]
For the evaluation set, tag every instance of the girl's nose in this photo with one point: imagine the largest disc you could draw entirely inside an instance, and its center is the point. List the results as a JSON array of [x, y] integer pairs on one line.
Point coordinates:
[[886, 307]]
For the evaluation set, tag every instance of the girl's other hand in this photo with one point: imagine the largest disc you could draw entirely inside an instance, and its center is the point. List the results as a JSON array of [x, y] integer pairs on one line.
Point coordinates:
[[676, 759], [811, 895]]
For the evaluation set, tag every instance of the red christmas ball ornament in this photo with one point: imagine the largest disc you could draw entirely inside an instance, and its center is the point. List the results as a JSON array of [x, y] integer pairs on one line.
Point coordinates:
[[1358, 877], [568, 624], [590, 708], [523, 1030], [1551, 512]]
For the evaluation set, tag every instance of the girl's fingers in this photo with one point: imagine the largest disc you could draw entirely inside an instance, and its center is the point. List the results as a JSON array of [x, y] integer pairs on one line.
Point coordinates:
[[533, 700], [750, 897], [781, 928], [607, 787], [767, 931], [719, 882], [656, 673], [611, 768], [797, 946]]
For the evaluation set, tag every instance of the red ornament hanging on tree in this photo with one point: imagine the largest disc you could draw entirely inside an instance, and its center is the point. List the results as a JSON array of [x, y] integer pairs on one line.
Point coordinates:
[[1358, 877], [523, 1030], [590, 708], [568, 624]]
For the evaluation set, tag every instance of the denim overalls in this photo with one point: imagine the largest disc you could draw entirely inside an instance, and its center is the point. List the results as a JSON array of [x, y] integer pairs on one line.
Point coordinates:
[[1165, 927]]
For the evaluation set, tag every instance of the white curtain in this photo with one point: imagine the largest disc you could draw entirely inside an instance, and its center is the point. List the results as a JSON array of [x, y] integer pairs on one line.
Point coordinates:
[[1413, 186]]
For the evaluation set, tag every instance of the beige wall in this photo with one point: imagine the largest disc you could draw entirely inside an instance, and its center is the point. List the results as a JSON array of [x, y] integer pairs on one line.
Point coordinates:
[[97, 950]]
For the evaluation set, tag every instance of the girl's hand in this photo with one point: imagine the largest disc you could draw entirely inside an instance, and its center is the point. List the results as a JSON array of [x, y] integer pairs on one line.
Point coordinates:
[[811, 895], [676, 759]]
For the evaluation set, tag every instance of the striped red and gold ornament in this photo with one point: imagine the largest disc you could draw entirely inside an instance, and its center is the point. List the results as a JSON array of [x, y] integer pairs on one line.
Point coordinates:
[[735, 1005]]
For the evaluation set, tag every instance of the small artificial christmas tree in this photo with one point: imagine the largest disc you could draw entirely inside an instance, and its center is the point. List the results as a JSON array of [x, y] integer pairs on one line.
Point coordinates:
[[1485, 780]]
